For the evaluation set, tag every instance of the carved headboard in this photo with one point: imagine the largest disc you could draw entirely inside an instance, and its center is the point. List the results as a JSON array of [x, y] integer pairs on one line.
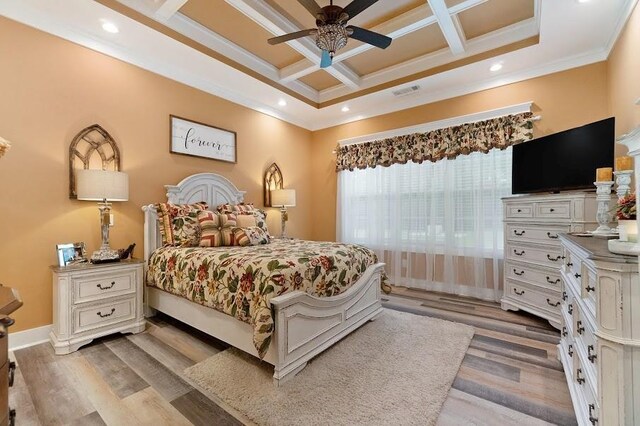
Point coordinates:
[[209, 187]]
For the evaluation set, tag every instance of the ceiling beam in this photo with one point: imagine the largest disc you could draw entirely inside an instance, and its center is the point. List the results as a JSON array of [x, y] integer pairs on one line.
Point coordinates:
[[169, 8], [274, 22], [447, 25], [467, 4], [401, 25]]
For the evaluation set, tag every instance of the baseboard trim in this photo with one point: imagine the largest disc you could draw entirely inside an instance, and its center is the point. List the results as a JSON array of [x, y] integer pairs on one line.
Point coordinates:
[[31, 337]]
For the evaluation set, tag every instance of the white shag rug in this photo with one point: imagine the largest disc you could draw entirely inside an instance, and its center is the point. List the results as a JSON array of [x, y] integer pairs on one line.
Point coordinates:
[[395, 370]]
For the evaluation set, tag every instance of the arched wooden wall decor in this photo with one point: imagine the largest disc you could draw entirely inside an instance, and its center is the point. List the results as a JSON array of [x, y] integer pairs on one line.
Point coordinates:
[[272, 180], [94, 139]]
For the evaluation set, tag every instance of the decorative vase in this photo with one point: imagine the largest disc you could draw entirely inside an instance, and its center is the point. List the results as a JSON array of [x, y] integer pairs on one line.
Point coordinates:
[[628, 230]]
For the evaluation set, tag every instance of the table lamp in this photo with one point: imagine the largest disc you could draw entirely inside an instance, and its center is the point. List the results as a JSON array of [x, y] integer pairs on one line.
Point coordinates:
[[103, 186], [283, 198]]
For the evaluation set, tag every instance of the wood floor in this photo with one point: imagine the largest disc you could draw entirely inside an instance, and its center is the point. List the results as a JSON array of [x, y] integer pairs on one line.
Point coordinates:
[[510, 375]]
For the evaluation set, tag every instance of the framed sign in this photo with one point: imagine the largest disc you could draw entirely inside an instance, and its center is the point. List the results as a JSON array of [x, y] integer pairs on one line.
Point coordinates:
[[201, 140]]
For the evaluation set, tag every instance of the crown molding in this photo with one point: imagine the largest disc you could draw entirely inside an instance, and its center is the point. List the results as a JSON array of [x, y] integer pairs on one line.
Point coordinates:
[[622, 22]]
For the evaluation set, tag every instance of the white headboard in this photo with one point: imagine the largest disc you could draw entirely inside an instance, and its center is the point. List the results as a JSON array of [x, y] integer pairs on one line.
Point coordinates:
[[209, 187]]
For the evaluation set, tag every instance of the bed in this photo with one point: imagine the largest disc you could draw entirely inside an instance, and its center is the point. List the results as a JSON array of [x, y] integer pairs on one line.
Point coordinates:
[[305, 323]]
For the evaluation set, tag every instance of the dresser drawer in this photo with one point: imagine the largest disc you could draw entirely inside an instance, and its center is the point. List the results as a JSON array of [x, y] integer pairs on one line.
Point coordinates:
[[553, 210], [586, 395], [586, 346], [545, 234], [102, 286], [532, 275], [550, 257], [528, 294], [92, 317], [518, 210]]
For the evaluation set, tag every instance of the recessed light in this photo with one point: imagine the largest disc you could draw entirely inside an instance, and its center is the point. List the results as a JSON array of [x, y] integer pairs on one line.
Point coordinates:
[[282, 102], [110, 27], [496, 67], [345, 108]]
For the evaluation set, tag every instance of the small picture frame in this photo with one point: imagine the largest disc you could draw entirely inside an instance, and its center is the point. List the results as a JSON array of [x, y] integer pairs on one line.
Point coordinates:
[[71, 253]]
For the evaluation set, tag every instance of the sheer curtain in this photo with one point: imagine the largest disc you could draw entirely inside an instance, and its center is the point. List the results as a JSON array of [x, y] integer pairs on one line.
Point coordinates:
[[438, 226]]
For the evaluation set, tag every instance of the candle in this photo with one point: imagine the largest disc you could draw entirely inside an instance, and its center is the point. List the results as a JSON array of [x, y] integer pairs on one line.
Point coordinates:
[[604, 174], [624, 163]]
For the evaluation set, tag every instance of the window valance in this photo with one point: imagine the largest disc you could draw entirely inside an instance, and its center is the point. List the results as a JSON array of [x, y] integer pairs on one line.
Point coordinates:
[[480, 136]]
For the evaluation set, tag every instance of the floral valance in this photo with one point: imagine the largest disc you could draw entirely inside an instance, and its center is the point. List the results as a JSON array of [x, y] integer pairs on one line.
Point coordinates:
[[481, 136]]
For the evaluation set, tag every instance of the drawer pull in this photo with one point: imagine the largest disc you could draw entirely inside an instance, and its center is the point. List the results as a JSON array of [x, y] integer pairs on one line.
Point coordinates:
[[577, 275], [564, 331], [519, 210], [518, 273], [12, 372], [555, 305], [589, 289], [106, 287], [579, 379], [592, 419], [570, 351], [564, 296], [515, 290], [101, 315], [516, 252], [580, 328], [12, 417], [592, 357], [569, 264], [570, 309], [519, 234], [552, 259], [550, 281], [553, 237], [552, 210]]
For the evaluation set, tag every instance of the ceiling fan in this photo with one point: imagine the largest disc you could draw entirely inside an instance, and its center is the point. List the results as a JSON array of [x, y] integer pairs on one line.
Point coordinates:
[[332, 31]]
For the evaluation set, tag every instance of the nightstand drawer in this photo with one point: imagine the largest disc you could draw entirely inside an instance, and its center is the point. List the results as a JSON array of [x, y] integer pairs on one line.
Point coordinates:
[[92, 317], [97, 287]]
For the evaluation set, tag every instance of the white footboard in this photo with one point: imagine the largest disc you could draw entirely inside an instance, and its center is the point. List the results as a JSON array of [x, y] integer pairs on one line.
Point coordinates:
[[307, 325]]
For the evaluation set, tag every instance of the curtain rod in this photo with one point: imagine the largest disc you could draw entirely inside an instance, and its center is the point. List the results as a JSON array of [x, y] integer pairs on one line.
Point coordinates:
[[534, 118]]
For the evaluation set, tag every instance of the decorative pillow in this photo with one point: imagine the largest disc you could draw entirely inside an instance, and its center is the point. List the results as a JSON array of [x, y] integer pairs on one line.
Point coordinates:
[[228, 221], [246, 209], [211, 235], [179, 223], [246, 220], [251, 236]]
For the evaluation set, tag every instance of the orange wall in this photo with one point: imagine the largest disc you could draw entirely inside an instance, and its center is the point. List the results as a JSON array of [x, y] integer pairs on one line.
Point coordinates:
[[565, 100], [624, 76], [51, 89]]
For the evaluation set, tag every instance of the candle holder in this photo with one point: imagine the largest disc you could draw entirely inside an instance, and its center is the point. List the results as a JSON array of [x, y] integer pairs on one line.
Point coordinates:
[[623, 182], [603, 216]]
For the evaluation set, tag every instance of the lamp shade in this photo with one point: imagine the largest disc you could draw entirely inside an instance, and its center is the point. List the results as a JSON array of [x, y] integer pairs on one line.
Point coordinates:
[[283, 197], [98, 185]]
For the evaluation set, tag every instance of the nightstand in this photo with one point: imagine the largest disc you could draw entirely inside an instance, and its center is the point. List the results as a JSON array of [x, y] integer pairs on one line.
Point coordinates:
[[90, 301]]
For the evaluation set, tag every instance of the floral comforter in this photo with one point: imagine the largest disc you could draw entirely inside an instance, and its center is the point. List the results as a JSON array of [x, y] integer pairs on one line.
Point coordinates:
[[240, 281]]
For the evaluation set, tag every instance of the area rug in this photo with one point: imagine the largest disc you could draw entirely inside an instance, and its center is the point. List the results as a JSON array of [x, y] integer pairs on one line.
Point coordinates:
[[395, 370]]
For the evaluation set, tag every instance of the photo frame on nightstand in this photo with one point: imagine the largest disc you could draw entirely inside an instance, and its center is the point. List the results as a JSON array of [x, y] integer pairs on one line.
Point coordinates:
[[71, 253]]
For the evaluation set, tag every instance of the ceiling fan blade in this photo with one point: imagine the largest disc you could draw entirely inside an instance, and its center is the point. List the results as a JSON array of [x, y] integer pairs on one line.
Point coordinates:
[[326, 60], [312, 7], [292, 36], [374, 39], [357, 6]]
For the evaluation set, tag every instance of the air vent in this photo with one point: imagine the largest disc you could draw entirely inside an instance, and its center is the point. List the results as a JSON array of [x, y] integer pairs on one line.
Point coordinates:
[[406, 91]]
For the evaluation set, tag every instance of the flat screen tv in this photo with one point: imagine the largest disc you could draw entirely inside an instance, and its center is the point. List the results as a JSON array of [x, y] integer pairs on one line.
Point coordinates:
[[563, 161]]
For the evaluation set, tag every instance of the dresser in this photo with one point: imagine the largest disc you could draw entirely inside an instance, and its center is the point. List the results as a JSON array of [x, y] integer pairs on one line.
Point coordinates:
[[91, 301], [9, 302], [533, 253], [600, 337]]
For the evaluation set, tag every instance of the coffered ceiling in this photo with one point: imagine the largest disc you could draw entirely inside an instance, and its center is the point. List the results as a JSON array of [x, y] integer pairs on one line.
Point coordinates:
[[426, 34], [440, 49]]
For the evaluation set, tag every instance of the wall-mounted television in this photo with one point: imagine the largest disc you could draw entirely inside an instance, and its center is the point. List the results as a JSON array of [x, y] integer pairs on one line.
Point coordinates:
[[563, 161]]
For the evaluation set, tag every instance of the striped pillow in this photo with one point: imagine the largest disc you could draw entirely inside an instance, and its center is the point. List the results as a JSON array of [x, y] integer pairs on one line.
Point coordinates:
[[246, 209], [228, 222], [251, 236], [210, 235]]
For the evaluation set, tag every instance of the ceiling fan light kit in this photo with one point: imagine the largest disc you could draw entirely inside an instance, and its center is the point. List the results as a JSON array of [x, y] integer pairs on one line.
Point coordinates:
[[333, 33]]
